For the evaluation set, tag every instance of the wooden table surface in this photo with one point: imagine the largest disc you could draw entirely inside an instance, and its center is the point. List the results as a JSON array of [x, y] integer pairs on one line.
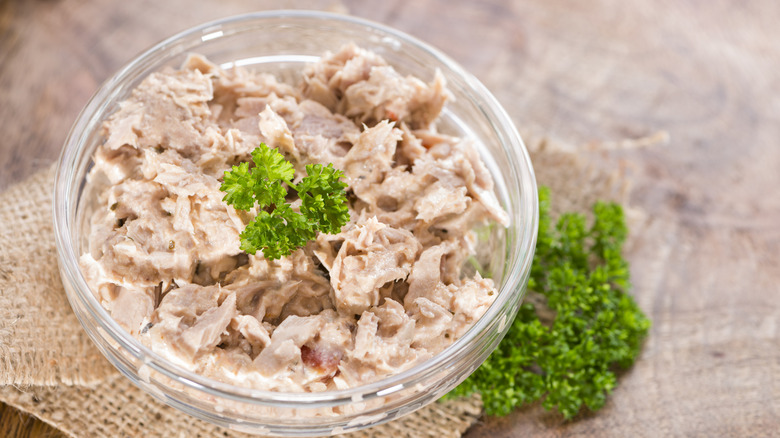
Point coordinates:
[[590, 72]]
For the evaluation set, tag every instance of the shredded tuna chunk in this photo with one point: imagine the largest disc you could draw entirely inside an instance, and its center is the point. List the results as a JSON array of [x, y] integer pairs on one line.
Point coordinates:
[[370, 158], [191, 320], [384, 294], [361, 85], [371, 255]]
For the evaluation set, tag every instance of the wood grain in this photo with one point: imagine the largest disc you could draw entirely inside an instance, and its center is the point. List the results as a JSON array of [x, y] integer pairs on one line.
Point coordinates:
[[705, 258], [16, 424]]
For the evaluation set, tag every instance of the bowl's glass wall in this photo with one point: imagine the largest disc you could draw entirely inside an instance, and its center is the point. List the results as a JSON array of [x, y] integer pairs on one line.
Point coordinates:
[[281, 43]]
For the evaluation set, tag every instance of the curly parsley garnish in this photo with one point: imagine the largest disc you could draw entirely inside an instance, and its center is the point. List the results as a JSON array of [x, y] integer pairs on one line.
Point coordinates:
[[278, 229], [566, 351]]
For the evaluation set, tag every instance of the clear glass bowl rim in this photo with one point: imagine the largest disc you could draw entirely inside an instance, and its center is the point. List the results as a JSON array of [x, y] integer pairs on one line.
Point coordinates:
[[516, 273]]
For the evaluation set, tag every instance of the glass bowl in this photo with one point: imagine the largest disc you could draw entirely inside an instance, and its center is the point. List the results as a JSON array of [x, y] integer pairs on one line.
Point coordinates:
[[281, 42]]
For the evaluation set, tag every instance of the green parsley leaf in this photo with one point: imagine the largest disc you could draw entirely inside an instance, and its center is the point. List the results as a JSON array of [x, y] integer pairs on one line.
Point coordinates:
[[271, 165], [565, 351], [278, 230], [239, 186], [328, 211]]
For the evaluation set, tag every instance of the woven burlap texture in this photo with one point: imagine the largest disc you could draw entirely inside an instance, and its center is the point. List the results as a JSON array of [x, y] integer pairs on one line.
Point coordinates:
[[41, 342], [50, 369]]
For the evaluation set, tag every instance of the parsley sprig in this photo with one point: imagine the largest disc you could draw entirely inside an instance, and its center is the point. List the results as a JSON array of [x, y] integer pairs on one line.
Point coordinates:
[[566, 351], [278, 229]]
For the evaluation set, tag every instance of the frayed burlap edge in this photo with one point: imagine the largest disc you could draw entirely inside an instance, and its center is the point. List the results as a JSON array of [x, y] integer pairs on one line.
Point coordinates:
[[117, 408]]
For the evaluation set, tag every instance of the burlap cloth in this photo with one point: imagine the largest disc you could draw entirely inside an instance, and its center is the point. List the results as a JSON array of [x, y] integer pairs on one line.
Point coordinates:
[[50, 368]]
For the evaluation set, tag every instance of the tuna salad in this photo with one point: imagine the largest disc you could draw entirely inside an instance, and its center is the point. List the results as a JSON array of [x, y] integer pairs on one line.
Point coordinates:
[[382, 295]]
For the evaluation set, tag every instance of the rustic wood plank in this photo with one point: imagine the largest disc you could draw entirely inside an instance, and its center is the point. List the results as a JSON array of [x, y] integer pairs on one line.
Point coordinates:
[[15, 424], [705, 257]]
